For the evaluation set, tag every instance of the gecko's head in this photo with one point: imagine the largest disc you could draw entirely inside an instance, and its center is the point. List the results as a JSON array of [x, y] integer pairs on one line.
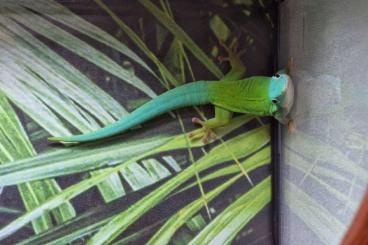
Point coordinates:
[[281, 95]]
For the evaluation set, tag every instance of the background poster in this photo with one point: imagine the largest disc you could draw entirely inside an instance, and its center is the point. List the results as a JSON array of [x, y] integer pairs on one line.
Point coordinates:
[[73, 66]]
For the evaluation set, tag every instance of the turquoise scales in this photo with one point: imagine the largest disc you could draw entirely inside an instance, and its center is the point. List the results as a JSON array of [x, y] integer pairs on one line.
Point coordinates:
[[186, 95], [262, 96]]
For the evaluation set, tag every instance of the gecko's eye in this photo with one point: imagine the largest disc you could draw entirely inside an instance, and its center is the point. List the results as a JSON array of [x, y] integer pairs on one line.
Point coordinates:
[[275, 101], [277, 75]]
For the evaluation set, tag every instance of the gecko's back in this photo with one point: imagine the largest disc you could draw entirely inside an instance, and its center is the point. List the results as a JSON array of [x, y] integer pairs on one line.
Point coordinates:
[[243, 96]]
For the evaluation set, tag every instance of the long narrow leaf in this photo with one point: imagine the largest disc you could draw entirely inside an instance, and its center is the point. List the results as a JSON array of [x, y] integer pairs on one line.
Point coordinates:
[[84, 224], [14, 144], [241, 146], [257, 160], [179, 33], [79, 87], [67, 40], [139, 42], [27, 97], [224, 228], [165, 233], [58, 12], [95, 155]]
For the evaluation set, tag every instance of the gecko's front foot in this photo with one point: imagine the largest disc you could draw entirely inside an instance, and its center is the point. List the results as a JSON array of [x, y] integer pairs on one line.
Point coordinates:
[[232, 51], [290, 66], [204, 133], [291, 126], [233, 57]]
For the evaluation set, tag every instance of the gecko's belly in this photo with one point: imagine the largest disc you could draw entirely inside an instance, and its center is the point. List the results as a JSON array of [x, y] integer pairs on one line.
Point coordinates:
[[257, 109]]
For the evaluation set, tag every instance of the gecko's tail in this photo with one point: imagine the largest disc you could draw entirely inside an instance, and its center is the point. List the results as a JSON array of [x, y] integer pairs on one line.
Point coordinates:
[[190, 94]]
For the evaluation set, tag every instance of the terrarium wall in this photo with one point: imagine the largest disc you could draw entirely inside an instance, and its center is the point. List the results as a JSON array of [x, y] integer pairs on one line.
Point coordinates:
[[325, 169]]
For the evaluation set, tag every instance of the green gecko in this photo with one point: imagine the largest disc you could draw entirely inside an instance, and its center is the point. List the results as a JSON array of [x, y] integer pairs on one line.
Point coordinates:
[[257, 95]]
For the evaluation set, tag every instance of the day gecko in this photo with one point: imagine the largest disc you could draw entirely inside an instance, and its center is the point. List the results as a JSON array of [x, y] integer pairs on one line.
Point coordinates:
[[256, 95]]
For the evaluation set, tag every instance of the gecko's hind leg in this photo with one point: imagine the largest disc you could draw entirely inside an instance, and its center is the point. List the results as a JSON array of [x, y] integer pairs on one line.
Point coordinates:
[[203, 133], [222, 117]]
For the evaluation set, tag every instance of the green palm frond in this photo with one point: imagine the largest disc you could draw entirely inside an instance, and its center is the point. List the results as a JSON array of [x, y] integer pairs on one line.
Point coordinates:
[[241, 146], [68, 18], [94, 156], [225, 226], [166, 74], [53, 95], [14, 144], [178, 32], [74, 44]]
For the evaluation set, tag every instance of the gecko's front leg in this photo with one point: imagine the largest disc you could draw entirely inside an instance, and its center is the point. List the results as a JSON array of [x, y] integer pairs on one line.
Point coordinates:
[[291, 126], [237, 70]]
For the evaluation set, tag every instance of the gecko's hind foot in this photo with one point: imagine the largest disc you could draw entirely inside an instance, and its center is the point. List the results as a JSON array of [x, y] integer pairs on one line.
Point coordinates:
[[204, 133], [232, 47]]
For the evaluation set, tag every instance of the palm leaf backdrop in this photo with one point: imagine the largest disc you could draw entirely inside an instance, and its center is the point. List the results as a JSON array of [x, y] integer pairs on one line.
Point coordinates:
[[61, 73]]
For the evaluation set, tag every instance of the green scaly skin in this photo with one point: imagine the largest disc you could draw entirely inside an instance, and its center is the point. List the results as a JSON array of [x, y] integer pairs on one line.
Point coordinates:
[[261, 96]]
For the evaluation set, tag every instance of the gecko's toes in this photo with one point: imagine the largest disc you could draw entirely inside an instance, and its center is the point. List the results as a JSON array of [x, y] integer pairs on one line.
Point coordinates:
[[290, 66], [196, 134], [232, 51], [212, 135], [205, 141], [234, 45], [222, 58], [205, 134], [196, 120]]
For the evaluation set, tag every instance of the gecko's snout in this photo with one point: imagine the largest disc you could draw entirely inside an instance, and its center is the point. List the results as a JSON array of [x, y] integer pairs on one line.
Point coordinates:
[[282, 96]]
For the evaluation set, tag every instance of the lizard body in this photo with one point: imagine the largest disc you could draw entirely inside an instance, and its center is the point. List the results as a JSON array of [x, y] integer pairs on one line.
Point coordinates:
[[258, 95]]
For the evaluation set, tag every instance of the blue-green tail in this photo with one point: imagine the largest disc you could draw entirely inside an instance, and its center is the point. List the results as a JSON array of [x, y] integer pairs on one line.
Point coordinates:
[[189, 94]]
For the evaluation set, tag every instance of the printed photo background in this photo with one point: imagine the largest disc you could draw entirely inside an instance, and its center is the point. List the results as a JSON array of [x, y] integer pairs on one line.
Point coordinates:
[[71, 67]]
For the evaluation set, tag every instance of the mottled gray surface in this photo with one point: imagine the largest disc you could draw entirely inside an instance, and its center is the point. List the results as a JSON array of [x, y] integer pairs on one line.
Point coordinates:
[[325, 164]]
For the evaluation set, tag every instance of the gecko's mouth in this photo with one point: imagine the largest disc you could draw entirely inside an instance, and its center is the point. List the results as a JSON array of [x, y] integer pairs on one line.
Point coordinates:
[[286, 101]]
